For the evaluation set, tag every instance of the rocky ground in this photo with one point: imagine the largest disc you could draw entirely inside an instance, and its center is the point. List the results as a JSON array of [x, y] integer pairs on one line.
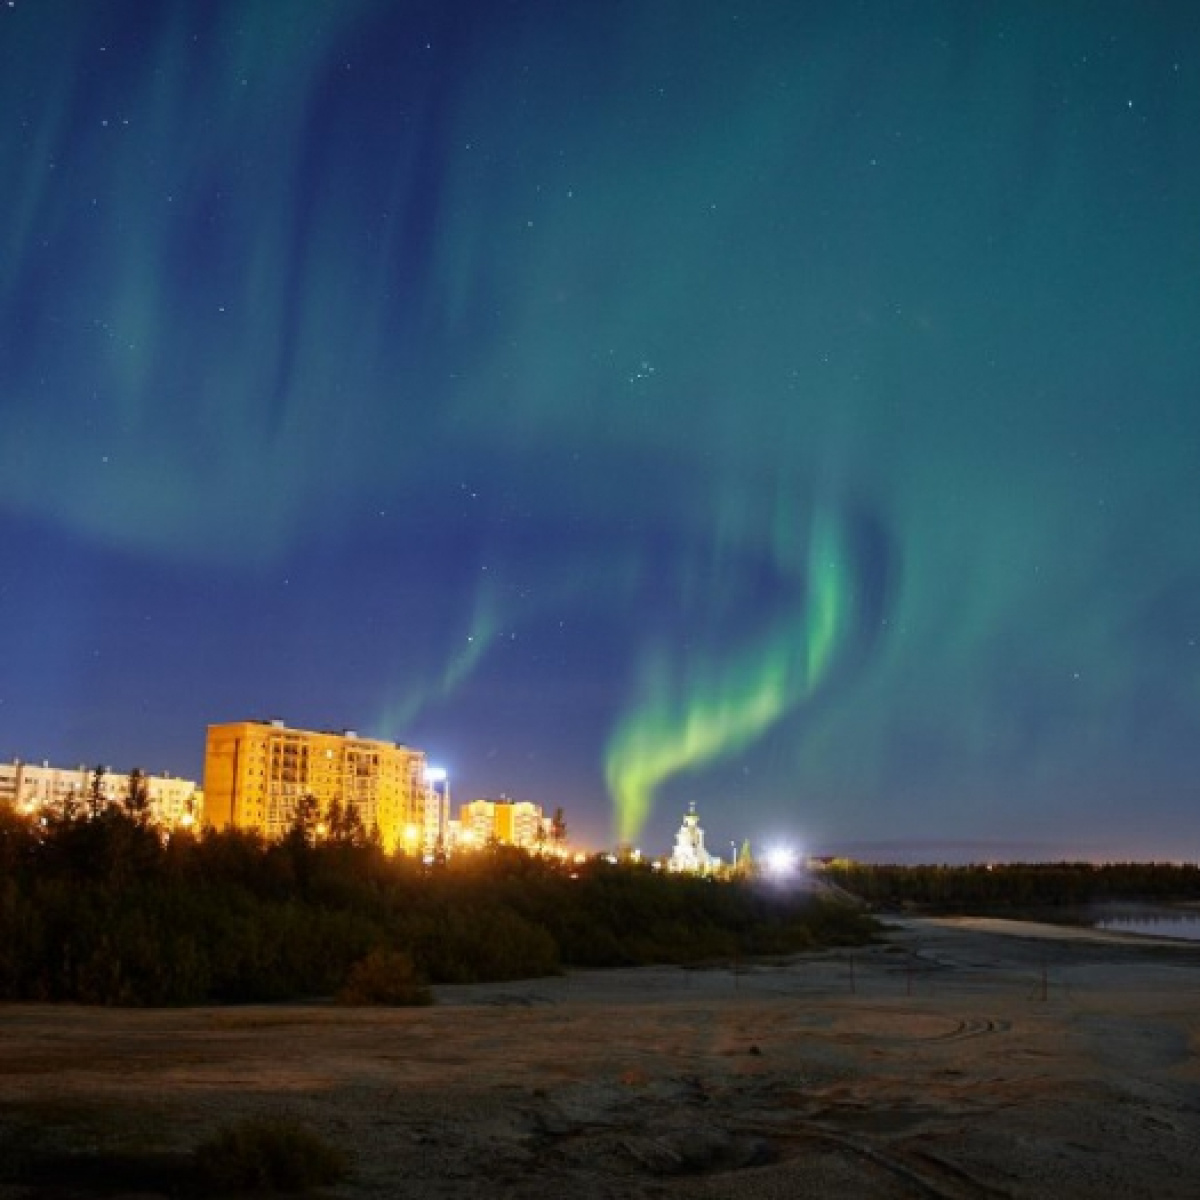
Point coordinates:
[[957, 1059]]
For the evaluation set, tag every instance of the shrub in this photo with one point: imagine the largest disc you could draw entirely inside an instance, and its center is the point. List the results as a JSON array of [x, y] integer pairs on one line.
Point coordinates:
[[385, 977], [468, 942], [265, 1154]]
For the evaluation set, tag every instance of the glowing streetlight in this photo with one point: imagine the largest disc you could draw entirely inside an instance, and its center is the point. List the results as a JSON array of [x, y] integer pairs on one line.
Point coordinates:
[[781, 861]]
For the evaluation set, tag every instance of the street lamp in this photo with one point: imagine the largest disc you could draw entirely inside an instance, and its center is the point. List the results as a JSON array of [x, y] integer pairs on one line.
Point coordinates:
[[781, 861]]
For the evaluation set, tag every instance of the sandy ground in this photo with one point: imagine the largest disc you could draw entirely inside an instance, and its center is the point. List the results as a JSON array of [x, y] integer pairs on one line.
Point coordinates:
[[957, 1059]]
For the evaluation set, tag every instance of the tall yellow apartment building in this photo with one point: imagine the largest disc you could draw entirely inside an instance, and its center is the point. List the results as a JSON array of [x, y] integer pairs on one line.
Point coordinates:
[[257, 772]]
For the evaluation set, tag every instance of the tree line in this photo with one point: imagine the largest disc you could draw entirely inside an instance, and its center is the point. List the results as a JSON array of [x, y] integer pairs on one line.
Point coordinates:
[[100, 907], [1027, 887]]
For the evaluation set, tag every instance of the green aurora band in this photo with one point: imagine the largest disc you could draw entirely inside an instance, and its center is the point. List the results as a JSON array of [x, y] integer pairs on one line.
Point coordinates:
[[706, 709], [630, 271]]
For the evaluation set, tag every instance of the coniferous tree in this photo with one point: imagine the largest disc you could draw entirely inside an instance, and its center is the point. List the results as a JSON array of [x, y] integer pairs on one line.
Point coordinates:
[[305, 821], [137, 797], [334, 818], [353, 832], [97, 797], [69, 808]]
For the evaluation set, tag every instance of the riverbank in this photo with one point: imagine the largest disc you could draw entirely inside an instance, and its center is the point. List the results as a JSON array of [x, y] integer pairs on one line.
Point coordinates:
[[957, 1058]]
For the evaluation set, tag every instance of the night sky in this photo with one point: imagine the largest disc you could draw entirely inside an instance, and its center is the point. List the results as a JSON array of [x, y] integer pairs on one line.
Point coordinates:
[[788, 406]]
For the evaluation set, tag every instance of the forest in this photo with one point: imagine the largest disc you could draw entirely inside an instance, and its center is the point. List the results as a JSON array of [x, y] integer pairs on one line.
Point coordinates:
[[1055, 889], [100, 907]]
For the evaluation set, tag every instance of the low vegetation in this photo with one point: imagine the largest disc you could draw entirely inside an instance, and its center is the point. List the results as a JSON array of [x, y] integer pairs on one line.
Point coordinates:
[[100, 909], [385, 977], [264, 1155], [268, 1154]]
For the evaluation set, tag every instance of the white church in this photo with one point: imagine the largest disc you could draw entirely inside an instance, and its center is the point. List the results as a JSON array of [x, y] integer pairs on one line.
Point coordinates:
[[689, 854]]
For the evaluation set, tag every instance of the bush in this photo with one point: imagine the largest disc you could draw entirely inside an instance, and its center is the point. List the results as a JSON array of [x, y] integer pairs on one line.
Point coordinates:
[[467, 942], [265, 1154], [385, 977]]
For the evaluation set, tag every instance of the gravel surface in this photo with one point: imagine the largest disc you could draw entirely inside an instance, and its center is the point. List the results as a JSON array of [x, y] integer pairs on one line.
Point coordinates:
[[956, 1059]]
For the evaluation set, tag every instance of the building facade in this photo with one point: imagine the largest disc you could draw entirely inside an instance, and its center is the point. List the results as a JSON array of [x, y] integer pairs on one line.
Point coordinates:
[[39, 789], [256, 774], [509, 822]]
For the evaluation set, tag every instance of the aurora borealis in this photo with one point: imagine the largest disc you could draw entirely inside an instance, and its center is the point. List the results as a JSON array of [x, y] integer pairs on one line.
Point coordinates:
[[793, 407]]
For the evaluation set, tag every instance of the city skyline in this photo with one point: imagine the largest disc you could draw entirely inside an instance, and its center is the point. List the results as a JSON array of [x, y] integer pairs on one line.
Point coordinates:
[[790, 408]]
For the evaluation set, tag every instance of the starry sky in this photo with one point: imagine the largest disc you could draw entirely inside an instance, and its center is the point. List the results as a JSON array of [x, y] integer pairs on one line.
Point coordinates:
[[791, 406]]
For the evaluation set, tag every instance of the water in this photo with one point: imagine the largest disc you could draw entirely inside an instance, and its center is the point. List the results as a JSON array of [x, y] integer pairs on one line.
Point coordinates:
[[1160, 922]]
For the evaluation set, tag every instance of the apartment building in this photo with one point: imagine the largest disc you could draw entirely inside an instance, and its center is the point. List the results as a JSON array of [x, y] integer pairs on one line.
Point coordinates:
[[509, 822], [42, 789], [256, 773]]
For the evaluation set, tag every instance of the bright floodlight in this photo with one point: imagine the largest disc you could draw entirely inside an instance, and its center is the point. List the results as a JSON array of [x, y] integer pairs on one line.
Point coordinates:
[[781, 861], [435, 774]]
